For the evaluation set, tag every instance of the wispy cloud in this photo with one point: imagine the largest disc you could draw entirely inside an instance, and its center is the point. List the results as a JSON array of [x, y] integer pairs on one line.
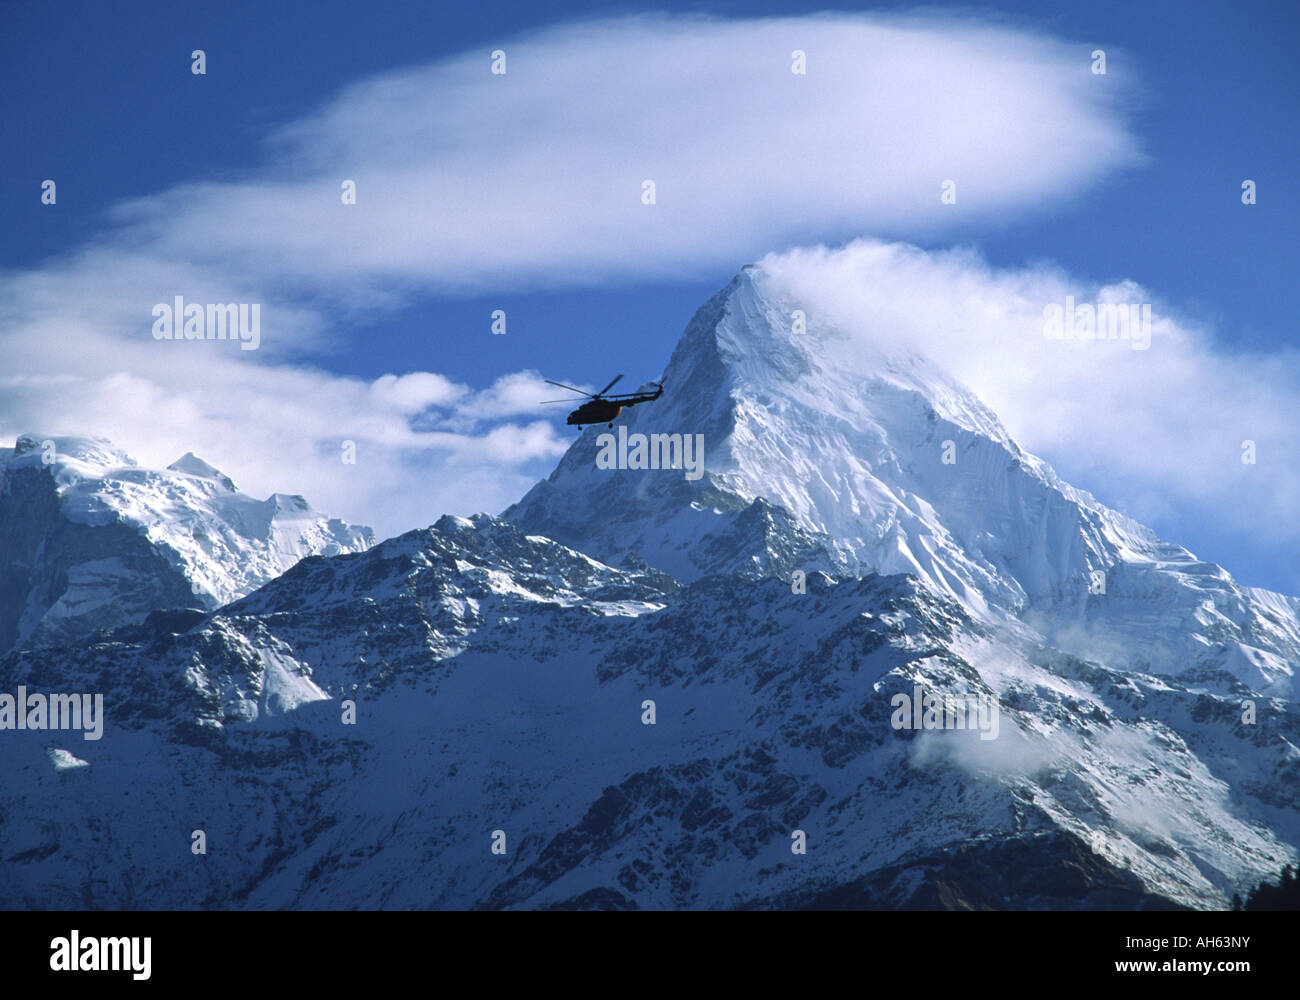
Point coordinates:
[[1160, 431]]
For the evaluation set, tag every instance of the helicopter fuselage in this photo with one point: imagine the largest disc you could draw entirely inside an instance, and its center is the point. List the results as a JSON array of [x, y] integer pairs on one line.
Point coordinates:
[[597, 411], [603, 411]]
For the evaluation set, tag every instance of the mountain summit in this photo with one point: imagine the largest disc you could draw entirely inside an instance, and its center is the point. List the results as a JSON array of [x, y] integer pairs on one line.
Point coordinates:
[[825, 452]]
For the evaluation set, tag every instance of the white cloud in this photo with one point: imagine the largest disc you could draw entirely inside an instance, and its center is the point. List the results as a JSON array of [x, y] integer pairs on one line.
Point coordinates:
[[1157, 432], [468, 181], [415, 392], [514, 394]]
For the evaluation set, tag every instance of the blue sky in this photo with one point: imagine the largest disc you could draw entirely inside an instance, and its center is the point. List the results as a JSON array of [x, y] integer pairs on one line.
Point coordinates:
[[101, 99]]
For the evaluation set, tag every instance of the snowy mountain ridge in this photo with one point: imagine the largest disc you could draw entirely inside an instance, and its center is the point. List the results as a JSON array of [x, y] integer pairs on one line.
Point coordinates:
[[499, 681]]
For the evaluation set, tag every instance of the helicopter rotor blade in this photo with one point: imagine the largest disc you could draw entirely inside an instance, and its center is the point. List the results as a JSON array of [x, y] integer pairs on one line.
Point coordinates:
[[569, 387], [610, 386]]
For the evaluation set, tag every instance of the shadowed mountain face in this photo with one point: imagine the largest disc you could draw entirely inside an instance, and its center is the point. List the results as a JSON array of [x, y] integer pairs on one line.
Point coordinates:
[[640, 690]]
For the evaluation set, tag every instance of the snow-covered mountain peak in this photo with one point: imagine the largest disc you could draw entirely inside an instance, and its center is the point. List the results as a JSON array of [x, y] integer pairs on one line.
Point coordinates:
[[870, 458], [192, 465], [778, 345], [90, 539], [68, 459], [875, 450]]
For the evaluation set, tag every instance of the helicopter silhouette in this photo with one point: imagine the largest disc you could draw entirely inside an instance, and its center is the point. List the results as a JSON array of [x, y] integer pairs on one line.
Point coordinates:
[[602, 409]]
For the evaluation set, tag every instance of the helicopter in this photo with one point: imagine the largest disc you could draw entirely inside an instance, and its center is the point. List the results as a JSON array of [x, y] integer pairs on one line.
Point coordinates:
[[599, 408]]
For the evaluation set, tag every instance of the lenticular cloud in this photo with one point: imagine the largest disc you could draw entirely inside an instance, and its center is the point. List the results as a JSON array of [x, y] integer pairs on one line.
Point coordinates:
[[540, 173]]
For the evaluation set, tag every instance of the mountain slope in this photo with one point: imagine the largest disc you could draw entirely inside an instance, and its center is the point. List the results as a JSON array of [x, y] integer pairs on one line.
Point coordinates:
[[499, 683]]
